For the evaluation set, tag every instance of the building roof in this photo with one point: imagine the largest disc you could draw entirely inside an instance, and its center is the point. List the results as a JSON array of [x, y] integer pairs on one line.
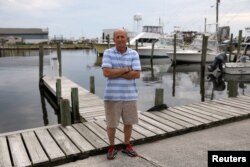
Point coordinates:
[[23, 31]]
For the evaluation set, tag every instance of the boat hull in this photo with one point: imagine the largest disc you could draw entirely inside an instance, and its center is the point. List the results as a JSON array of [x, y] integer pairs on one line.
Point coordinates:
[[237, 68], [146, 52], [191, 56]]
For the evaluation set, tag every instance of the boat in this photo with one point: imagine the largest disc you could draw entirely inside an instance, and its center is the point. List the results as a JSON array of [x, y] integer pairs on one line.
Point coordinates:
[[237, 68], [163, 45], [193, 53], [243, 66]]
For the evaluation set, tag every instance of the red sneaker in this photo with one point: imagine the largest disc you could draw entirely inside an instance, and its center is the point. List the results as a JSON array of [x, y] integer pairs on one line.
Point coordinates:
[[129, 151], [112, 151]]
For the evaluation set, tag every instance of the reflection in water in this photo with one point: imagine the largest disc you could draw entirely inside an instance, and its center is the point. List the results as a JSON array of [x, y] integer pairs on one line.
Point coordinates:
[[153, 69], [202, 83], [22, 53], [45, 114], [51, 99]]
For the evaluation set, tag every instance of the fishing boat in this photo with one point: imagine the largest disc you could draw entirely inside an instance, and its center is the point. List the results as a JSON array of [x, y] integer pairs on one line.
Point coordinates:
[[243, 66], [192, 53], [163, 45]]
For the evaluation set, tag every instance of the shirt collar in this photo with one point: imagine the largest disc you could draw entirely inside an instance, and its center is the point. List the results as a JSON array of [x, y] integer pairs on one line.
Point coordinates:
[[125, 53]]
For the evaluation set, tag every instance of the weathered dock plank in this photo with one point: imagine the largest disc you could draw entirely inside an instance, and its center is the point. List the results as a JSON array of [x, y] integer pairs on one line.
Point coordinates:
[[51, 148], [210, 109], [163, 121], [164, 114], [100, 132], [78, 139], [102, 124], [170, 111], [152, 128], [158, 124], [18, 152], [135, 135], [64, 142], [34, 148], [4, 153], [96, 141]]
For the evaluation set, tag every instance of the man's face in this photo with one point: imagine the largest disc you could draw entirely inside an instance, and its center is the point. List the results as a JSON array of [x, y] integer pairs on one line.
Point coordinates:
[[120, 39]]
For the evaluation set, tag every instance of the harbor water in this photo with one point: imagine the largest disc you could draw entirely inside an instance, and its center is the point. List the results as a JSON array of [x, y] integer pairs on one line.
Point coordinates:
[[21, 104]]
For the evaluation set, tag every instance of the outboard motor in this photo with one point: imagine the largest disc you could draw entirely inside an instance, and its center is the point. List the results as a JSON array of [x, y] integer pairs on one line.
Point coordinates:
[[219, 60]]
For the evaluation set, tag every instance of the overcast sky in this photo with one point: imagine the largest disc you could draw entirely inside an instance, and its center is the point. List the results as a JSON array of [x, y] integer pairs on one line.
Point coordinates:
[[77, 18]]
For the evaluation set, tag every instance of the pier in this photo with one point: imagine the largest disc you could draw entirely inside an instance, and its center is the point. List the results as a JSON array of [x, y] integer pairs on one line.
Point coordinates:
[[57, 144]]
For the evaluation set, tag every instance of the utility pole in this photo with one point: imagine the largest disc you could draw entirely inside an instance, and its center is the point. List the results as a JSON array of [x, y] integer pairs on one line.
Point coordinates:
[[217, 15]]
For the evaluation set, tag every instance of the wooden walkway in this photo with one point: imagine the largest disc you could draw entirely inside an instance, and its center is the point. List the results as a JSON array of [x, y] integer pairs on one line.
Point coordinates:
[[53, 145], [91, 107]]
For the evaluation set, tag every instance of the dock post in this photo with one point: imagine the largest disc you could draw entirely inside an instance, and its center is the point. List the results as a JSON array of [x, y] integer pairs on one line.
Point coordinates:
[[159, 96], [230, 48], [152, 52], [59, 57], [204, 51], [92, 84], [75, 104], [136, 45], [239, 44], [41, 53], [65, 112], [58, 90], [174, 55]]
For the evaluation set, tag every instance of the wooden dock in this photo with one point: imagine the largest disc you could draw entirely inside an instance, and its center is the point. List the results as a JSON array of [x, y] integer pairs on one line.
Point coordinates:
[[91, 107], [53, 145]]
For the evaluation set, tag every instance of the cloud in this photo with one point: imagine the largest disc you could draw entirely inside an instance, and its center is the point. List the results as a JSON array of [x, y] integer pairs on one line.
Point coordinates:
[[30, 5]]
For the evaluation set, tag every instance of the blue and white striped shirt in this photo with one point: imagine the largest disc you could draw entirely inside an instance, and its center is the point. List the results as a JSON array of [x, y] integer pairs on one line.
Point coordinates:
[[121, 89]]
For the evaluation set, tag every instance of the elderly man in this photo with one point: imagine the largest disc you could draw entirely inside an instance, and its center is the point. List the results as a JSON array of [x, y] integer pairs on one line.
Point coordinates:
[[121, 66]]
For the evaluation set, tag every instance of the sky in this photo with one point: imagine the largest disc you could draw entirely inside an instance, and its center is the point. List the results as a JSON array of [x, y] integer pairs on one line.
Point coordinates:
[[82, 18]]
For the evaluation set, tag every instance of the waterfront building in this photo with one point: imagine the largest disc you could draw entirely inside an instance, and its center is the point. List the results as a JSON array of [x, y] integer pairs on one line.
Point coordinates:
[[28, 35]]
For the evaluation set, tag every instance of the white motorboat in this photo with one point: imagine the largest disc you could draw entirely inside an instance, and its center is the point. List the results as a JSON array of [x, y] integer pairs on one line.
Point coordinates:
[[237, 68], [150, 35], [193, 53], [161, 47]]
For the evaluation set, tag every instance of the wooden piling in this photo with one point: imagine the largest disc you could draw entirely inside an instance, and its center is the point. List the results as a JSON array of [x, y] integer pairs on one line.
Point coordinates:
[[204, 51], [128, 42], [159, 96], [58, 90], [41, 53], [75, 104], [136, 45], [65, 112], [92, 84], [239, 44], [230, 48], [152, 52], [174, 55], [59, 57]]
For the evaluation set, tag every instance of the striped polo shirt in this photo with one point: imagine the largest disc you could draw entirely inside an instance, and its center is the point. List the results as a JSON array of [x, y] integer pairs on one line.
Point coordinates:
[[121, 89]]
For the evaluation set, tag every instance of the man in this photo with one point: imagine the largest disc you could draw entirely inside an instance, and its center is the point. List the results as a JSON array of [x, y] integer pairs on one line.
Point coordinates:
[[121, 66]]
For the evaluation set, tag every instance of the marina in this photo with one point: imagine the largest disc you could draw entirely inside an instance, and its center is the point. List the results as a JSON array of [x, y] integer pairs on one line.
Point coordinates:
[[193, 85], [23, 115], [57, 144]]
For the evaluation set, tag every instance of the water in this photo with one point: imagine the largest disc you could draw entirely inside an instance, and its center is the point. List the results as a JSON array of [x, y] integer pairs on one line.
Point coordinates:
[[20, 98]]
